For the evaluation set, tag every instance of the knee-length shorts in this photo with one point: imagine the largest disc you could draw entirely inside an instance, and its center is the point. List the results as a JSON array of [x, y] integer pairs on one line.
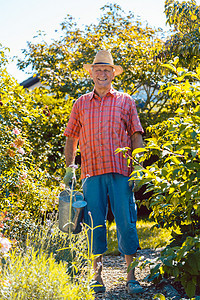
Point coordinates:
[[96, 190]]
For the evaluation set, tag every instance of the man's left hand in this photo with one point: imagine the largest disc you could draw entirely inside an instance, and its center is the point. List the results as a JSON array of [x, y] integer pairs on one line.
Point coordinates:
[[134, 185]]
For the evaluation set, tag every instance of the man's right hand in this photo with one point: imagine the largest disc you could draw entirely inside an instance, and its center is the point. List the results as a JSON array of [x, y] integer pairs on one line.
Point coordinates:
[[69, 175]]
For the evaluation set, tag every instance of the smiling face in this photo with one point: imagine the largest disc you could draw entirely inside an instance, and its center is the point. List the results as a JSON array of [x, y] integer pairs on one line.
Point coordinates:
[[102, 77]]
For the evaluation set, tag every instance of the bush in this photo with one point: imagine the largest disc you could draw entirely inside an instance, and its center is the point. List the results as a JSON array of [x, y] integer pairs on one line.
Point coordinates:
[[36, 276], [28, 187], [175, 179]]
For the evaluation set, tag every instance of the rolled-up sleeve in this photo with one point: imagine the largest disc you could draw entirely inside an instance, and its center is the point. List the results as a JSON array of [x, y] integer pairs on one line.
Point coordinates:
[[134, 124], [74, 126]]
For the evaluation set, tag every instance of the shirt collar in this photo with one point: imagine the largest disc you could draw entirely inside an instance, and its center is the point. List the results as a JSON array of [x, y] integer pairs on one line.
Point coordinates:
[[112, 91]]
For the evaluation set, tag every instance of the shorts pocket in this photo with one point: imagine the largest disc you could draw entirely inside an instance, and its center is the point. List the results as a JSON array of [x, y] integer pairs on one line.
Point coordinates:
[[133, 210]]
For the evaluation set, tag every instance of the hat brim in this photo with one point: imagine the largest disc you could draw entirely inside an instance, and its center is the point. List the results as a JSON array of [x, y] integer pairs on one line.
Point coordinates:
[[118, 69]]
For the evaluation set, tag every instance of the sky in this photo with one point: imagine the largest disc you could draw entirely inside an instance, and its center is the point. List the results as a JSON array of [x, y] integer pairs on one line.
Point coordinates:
[[20, 20]]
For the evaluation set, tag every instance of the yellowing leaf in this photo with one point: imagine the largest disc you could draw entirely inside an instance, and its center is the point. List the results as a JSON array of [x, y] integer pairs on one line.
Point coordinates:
[[171, 190], [138, 150], [193, 18]]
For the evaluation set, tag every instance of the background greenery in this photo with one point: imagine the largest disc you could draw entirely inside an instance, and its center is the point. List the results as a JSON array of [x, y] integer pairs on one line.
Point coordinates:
[[31, 147]]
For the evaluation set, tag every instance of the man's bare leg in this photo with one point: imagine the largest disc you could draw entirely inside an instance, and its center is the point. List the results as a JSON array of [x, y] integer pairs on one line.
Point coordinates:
[[98, 267], [131, 273], [133, 286]]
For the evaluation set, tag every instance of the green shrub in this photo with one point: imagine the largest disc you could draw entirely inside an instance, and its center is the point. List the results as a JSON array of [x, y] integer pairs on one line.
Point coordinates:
[[175, 179], [36, 276], [26, 189]]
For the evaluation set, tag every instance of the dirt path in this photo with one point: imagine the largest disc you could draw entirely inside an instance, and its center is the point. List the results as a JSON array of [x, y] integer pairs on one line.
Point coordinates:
[[114, 276]]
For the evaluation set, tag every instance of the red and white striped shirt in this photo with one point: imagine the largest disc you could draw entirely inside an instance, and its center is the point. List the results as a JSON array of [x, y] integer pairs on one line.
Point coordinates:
[[102, 126]]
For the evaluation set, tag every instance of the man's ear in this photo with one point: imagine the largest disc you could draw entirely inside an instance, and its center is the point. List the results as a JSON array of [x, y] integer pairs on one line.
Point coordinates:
[[90, 71]]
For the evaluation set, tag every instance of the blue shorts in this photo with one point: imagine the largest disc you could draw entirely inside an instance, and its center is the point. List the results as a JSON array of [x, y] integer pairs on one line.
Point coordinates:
[[96, 190]]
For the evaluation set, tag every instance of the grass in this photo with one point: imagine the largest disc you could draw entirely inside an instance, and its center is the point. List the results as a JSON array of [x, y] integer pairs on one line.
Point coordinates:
[[46, 265], [150, 237]]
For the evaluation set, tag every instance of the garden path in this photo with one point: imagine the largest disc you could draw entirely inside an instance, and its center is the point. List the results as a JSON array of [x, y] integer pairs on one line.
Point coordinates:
[[114, 276]]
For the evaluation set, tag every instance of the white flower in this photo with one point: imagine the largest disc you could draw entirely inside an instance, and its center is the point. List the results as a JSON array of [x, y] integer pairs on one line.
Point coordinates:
[[24, 175], [5, 245], [16, 131], [62, 186], [21, 150]]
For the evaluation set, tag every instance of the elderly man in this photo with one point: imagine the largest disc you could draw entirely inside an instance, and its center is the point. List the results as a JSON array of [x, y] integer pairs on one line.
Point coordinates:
[[102, 121]]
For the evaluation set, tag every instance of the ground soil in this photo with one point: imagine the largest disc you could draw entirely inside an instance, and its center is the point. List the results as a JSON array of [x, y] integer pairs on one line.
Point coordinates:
[[114, 277]]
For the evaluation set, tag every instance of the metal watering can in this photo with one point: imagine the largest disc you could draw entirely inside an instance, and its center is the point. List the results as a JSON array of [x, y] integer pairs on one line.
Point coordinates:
[[70, 218]]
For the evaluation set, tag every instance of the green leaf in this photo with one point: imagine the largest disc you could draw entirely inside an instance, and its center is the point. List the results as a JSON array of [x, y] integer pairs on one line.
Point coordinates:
[[194, 263], [138, 150], [193, 134], [173, 159], [168, 66], [132, 265], [190, 288], [125, 149], [138, 168]]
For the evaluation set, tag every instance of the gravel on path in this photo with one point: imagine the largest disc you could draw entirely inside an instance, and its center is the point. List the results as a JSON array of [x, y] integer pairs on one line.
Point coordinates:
[[114, 277]]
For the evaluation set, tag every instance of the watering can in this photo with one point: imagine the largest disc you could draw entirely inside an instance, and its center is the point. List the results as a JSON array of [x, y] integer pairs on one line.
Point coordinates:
[[71, 217]]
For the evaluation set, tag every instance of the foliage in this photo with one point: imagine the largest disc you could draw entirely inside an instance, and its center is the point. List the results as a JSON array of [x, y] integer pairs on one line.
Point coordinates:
[[3, 56], [175, 177], [36, 276], [159, 297], [40, 118], [39, 253], [46, 238], [133, 44], [150, 237], [184, 16], [46, 131], [31, 162], [25, 188], [183, 263]]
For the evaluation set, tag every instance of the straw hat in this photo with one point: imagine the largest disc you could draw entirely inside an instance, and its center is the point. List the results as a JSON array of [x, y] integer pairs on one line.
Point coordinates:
[[104, 57]]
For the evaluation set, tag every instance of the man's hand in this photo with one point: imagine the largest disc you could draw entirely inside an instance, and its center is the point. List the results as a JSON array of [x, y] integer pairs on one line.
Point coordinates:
[[134, 185], [69, 176]]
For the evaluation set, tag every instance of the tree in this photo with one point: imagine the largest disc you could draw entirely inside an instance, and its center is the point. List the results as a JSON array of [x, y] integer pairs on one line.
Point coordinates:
[[184, 17], [3, 56], [133, 44]]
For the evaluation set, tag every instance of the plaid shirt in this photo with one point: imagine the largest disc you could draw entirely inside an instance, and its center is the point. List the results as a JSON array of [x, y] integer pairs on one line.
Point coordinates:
[[102, 126]]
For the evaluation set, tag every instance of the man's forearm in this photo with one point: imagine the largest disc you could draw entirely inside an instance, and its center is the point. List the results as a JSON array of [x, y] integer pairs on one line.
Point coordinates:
[[136, 141], [70, 150]]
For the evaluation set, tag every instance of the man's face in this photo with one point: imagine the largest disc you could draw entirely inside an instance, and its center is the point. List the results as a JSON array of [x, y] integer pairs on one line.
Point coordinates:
[[102, 76]]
